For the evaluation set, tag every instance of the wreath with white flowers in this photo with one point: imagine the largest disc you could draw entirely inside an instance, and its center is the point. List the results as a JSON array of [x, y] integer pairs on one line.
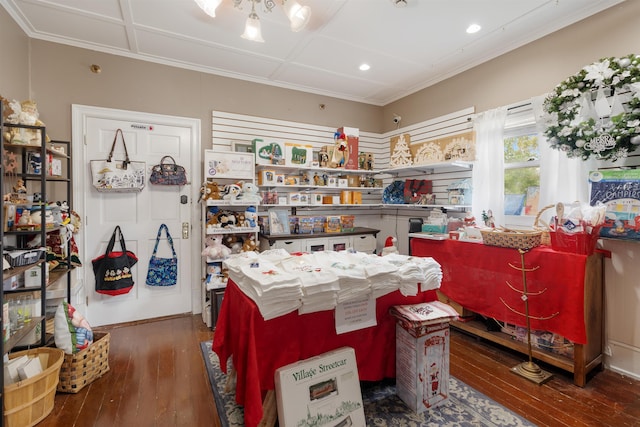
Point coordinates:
[[596, 112]]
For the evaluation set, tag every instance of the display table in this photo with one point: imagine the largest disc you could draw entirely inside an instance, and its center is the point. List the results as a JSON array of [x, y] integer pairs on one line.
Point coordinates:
[[569, 303], [259, 347]]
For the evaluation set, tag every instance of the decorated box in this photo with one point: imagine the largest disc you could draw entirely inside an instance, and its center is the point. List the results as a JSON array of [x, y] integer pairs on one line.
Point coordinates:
[[322, 390], [268, 152], [298, 155], [352, 138], [422, 353], [619, 190]]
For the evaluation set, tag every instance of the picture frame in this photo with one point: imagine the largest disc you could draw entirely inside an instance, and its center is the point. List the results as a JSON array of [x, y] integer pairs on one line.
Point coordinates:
[[242, 146], [279, 222]]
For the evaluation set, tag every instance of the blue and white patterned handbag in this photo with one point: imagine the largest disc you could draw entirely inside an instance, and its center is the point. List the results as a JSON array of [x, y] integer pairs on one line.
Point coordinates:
[[163, 271]]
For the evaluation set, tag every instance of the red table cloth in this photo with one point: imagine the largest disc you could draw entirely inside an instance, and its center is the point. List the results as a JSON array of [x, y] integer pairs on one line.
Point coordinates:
[[477, 277], [259, 347]]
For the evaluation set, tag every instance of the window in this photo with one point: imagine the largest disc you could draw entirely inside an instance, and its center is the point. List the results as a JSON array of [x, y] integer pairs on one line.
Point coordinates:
[[521, 167]]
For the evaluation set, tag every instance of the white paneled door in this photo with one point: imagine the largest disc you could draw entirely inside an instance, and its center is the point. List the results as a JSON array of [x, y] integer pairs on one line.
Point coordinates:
[[148, 138]]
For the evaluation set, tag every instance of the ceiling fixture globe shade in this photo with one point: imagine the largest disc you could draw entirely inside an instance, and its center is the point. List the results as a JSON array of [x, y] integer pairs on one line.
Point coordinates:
[[209, 6], [252, 29], [297, 14]]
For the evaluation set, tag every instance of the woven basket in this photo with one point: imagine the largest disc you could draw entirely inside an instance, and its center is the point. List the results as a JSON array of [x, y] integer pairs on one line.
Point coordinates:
[[538, 224], [511, 238], [85, 366], [28, 402]]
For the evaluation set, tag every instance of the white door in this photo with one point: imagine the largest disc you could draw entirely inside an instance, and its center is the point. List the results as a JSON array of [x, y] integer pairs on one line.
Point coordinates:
[[148, 138]]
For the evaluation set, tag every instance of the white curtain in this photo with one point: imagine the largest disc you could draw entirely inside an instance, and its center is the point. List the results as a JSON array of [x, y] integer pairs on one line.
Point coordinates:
[[488, 170], [562, 179]]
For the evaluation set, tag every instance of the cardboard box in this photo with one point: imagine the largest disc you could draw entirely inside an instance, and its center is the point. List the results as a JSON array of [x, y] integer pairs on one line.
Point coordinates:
[[422, 353], [266, 177], [323, 387], [315, 199], [347, 222], [345, 197], [422, 366], [298, 155], [462, 312], [356, 197], [353, 138], [11, 283], [333, 224], [268, 152], [33, 277]]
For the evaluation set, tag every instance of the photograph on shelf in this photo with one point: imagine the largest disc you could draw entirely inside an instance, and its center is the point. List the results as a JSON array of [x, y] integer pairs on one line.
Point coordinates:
[[279, 222]]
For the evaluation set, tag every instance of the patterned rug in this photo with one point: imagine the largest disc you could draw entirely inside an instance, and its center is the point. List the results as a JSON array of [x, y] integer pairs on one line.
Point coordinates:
[[465, 406]]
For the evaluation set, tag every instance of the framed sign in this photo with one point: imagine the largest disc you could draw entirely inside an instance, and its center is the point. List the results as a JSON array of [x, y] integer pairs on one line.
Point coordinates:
[[228, 164]]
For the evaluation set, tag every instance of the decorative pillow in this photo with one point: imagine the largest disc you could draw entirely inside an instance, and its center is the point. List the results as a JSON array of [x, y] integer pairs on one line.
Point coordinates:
[[72, 332]]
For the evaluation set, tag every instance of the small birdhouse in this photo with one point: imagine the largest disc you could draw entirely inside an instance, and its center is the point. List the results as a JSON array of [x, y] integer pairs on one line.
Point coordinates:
[[459, 192]]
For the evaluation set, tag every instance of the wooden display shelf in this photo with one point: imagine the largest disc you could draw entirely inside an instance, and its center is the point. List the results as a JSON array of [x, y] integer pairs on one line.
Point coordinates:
[[16, 337], [586, 357], [355, 231], [565, 363]]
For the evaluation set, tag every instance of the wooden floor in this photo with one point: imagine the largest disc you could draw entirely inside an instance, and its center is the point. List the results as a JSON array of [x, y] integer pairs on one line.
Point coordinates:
[[157, 378]]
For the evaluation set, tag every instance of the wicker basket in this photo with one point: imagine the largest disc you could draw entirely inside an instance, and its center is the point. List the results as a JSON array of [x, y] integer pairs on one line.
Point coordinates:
[[28, 402], [511, 238], [85, 366], [538, 224]]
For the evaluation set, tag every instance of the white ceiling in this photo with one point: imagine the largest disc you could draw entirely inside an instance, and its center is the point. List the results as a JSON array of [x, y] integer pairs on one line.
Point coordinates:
[[409, 48]]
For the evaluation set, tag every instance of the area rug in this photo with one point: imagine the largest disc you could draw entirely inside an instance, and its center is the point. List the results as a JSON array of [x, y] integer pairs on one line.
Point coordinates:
[[465, 406]]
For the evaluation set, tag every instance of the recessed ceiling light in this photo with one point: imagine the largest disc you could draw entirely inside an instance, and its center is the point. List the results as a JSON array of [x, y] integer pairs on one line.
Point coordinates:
[[473, 28], [364, 67]]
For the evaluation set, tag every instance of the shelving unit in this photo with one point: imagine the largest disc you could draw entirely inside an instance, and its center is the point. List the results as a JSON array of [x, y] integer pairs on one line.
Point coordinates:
[[224, 168], [429, 169], [38, 180]]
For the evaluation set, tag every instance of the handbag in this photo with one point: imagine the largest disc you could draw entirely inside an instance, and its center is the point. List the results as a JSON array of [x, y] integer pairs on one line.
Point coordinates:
[[163, 271], [118, 176], [113, 268], [168, 173]]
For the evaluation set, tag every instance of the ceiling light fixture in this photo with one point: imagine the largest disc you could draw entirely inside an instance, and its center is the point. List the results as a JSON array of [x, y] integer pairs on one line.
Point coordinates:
[[252, 30], [473, 28], [365, 67], [298, 15], [209, 6]]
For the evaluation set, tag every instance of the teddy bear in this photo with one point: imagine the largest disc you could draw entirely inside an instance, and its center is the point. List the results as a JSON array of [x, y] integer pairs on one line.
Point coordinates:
[[214, 249], [212, 217], [234, 243], [250, 193], [210, 191], [250, 244]]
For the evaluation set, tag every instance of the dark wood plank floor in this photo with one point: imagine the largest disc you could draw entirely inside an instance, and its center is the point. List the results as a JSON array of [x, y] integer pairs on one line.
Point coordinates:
[[157, 378]]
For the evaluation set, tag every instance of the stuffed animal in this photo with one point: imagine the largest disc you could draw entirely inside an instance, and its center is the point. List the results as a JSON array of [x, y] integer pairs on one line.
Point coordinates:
[[24, 113], [231, 192], [250, 193], [340, 151], [390, 246], [250, 217], [234, 243], [212, 216], [210, 191], [250, 244], [214, 248], [226, 219]]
